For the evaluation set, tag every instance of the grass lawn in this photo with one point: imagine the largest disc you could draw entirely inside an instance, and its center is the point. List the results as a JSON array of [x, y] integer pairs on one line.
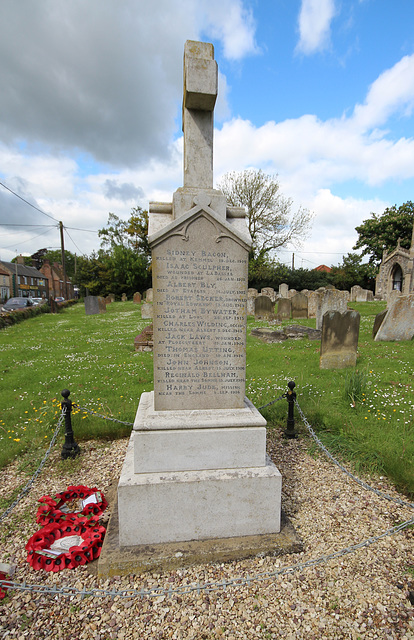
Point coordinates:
[[364, 415]]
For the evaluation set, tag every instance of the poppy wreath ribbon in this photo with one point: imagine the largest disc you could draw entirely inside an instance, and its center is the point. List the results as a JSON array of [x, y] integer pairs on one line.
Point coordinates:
[[86, 533], [53, 509]]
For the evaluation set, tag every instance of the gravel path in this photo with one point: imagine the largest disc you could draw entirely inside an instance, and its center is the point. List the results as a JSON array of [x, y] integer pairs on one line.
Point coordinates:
[[365, 594]]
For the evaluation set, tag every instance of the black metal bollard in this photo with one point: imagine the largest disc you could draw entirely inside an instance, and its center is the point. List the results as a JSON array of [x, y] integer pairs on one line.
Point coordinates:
[[70, 448], [290, 397]]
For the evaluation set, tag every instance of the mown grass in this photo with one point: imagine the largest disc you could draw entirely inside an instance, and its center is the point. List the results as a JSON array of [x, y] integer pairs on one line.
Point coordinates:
[[365, 414]]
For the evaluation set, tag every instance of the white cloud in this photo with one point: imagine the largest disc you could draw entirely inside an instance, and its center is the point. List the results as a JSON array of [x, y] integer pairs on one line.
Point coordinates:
[[315, 19], [392, 92], [233, 24]]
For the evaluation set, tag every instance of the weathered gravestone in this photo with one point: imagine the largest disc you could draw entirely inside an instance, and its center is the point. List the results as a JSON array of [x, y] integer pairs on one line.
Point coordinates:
[[270, 292], [91, 305], [263, 307], [284, 308], [339, 342], [108, 300], [149, 295], [147, 310], [196, 466], [398, 323], [312, 303], [330, 300], [283, 290], [124, 297], [299, 306], [111, 297], [137, 298], [358, 294], [101, 304]]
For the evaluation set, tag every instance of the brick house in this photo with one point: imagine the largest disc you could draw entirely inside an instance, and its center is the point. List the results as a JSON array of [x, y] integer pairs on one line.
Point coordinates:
[[19, 280], [54, 274]]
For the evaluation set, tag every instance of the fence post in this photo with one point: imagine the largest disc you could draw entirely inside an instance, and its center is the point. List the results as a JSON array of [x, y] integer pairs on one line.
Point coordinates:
[[70, 448], [290, 424]]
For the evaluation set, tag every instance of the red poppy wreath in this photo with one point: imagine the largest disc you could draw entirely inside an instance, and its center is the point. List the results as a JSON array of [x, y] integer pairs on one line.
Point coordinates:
[[66, 544], [3, 586], [78, 500]]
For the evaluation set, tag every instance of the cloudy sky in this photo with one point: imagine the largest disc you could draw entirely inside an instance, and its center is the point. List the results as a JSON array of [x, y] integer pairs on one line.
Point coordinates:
[[320, 92]]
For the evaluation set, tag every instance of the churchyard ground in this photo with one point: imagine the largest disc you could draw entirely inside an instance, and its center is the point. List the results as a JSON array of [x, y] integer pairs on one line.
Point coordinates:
[[365, 414]]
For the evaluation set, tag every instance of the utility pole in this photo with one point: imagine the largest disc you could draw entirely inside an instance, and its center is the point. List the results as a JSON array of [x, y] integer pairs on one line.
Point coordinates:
[[62, 248], [293, 261]]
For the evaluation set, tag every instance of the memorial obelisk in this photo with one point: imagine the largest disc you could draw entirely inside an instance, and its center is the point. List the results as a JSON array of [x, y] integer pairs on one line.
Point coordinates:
[[196, 466]]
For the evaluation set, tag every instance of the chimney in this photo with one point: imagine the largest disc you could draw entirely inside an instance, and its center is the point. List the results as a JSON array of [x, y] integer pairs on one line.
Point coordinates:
[[20, 259]]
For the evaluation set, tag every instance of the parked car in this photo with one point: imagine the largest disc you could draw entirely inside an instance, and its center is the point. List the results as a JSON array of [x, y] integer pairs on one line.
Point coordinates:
[[59, 299], [37, 301], [16, 304]]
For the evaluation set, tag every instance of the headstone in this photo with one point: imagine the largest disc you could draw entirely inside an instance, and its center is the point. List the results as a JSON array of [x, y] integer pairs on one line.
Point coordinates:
[[111, 297], [101, 304], [284, 308], [291, 293], [358, 294], [250, 306], [149, 295], [379, 319], [398, 323], [283, 290], [392, 297], [263, 307], [339, 341], [91, 305], [144, 342], [268, 291], [299, 306], [312, 303], [196, 465], [147, 310], [252, 293], [124, 297], [108, 300], [137, 298], [330, 300]]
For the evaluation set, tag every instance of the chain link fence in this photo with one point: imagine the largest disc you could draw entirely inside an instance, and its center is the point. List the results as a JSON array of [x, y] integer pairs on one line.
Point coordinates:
[[207, 587]]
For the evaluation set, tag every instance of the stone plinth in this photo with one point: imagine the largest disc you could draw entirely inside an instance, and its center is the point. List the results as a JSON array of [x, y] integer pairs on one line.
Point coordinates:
[[197, 505]]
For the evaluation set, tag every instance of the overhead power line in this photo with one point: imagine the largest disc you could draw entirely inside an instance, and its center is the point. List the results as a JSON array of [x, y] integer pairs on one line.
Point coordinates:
[[27, 202]]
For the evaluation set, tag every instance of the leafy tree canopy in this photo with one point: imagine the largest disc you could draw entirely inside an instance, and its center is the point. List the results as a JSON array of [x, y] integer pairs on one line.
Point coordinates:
[[131, 233], [383, 231], [271, 219]]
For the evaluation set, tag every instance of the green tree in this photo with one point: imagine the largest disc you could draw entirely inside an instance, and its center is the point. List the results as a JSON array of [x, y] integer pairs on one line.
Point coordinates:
[[353, 271], [131, 233], [272, 222], [383, 231]]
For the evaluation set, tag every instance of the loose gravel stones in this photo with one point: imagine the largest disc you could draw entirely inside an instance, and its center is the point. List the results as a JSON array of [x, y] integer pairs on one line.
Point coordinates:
[[360, 595]]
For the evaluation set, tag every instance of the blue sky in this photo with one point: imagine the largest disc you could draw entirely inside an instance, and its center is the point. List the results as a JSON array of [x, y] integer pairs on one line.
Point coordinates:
[[319, 92]]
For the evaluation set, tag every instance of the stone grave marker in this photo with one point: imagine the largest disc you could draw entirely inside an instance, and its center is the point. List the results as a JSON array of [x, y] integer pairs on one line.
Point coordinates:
[[124, 297], [398, 323], [284, 308], [111, 296], [299, 305], [263, 307], [137, 298], [108, 299], [149, 295], [283, 290], [101, 304], [144, 342], [330, 300], [196, 466], [339, 342], [312, 303], [147, 310], [270, 292], [91, 305]]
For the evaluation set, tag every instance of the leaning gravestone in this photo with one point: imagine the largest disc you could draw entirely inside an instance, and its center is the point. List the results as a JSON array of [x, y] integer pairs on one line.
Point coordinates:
[[91, 305], [339, 341], [299, 305], [196, 464], [263, 307], [398, 323], [137, 298]]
